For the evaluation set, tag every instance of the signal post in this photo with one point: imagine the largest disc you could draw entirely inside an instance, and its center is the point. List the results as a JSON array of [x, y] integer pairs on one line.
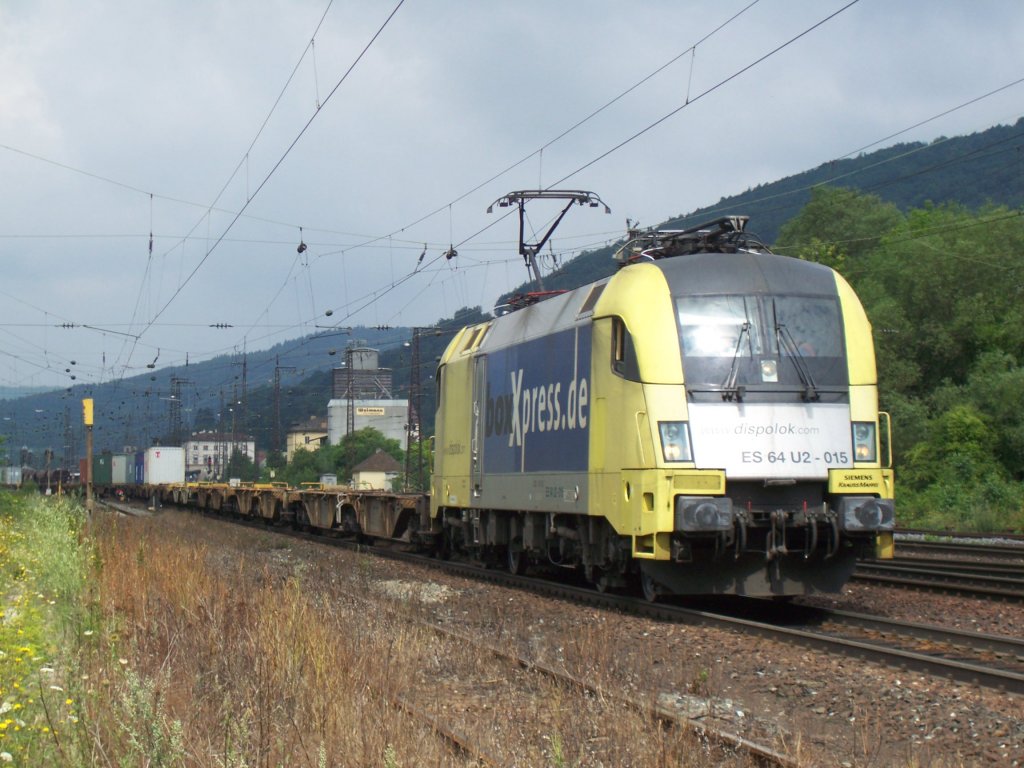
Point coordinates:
[[88, 420]]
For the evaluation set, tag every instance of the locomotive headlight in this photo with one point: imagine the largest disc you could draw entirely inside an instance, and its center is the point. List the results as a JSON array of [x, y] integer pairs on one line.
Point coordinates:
[[702, 514], [675, 440], [769, 371], [866, 513], [864, 443]]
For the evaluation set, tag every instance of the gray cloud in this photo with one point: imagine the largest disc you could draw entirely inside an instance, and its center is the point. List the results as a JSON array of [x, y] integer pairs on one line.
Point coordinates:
[[165, 98]]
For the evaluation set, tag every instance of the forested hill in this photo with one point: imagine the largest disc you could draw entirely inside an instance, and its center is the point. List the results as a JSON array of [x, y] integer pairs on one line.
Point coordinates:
[[985, 167]]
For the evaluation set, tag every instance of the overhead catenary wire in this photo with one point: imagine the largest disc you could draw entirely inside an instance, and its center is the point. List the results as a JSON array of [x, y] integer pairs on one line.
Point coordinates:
[[464, 249], [572, 128], [272, 171], [657, 122], [548, 144], [703, 93], [280, 160], [211, 207]]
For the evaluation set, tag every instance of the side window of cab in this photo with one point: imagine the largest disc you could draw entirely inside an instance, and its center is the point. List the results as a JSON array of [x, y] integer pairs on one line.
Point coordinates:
[[624, 362]]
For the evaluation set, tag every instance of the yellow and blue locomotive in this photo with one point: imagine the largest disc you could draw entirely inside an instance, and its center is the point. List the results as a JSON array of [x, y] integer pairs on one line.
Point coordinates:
[[705, 421]]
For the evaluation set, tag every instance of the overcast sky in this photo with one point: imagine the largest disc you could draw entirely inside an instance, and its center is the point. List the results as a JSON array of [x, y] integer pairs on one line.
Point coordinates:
[[218, 128]]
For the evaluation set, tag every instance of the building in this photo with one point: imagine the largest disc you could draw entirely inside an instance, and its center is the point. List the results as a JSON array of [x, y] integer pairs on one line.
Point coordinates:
[[377, 473], [309, 435], [388, 417], [208, 453], [362, 376], [367, 388]]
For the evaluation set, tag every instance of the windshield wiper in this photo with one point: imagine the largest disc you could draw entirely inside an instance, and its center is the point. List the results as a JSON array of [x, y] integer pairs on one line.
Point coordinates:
[[787, 342], [730, 391]]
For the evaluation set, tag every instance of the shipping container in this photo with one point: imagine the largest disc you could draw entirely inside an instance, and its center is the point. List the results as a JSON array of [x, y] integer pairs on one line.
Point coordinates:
[[12, 476], [140, 467], [165, 464], [119, 465], [102, 469]]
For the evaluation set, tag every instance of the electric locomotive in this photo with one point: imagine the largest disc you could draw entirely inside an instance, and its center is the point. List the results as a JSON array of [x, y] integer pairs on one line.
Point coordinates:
[[705, 421]]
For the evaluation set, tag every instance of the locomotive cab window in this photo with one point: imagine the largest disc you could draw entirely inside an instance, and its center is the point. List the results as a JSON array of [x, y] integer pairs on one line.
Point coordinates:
[[785, 343], [624, 362], [810, 324], [719, 326]]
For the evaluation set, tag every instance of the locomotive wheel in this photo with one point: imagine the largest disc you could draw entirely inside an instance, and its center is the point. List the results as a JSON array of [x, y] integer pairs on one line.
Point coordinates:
[[517, 561], [444, 547], [649, 587]]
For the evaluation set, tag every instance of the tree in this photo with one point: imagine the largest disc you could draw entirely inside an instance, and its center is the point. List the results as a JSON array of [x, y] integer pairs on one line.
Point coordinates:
[[241, 466], [995, 387], [308, 466], [954, 476], [304, 467], [838, 227], [947, 276], [418, 454], [358, 446]]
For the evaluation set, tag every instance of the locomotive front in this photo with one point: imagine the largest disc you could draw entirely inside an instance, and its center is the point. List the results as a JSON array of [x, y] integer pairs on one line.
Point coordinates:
[[780, 425]]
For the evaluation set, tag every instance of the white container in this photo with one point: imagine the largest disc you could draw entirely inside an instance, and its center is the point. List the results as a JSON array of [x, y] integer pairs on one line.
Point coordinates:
[[119, 464], [164, 464]]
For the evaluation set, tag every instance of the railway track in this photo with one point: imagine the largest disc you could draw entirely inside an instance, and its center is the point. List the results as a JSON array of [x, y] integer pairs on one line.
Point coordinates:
[[725, 740], [983, 651], [931, 533], [980, 581], [988, 571], [963, 549]]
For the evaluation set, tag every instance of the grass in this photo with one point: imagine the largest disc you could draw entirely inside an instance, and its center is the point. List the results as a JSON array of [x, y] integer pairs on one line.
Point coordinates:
[[176, 642], [217, 654], [43, 566]]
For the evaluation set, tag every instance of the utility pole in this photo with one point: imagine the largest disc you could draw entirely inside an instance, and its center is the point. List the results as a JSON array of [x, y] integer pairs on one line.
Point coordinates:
[[234, 432], [350, 408], [221, 448], [66, 460], [244, 363], [277, 401], [414, 417], [175, 410], [245, 391]]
